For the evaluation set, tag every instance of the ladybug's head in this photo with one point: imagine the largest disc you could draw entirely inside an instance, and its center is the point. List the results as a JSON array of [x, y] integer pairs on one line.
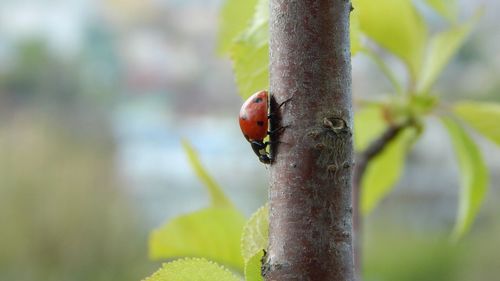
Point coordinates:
[[259, 148], [264, 158]]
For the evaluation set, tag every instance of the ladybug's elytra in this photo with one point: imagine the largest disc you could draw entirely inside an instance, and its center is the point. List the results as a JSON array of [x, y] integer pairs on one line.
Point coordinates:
[[254, 123], [254, 119]]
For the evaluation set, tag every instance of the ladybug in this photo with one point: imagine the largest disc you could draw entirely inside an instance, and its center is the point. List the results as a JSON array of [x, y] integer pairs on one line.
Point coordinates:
[[254, 123]]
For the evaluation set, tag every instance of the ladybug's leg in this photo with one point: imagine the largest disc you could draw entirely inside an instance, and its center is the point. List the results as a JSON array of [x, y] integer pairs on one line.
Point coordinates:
[[268, 157], [272, 142], [271, 115], [273, 132], [285, 101]]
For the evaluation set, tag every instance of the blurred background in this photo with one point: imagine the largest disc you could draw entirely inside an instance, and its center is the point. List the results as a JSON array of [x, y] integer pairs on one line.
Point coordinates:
[[95, 97]]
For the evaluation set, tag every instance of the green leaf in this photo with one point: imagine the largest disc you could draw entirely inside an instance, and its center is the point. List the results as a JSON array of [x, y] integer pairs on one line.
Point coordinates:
[[421, 105], [369, 123], [482, 116], [234, 18], [255, 233], [212, 233], [397, 26], [217, 196], [193, 269], [253, 267], [441, 49], [383, 171], [473, 174], [448, 9], [253, 242], [250, 54]]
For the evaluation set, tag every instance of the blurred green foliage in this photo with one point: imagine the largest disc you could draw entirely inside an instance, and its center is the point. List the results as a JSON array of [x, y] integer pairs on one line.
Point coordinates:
[[399, 256], [474, 176], [62, 214], [217, 196], [218, 232], [249, 50], [212, 233], [38, 75], [397, 26], [392, 252], [482, 116]]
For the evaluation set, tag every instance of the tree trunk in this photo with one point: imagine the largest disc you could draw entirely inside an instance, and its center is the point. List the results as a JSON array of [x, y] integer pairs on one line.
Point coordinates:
[[311, 175]]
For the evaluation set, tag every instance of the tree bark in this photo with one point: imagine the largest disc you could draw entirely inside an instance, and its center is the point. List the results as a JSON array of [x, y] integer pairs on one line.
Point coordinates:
[[311, 175]]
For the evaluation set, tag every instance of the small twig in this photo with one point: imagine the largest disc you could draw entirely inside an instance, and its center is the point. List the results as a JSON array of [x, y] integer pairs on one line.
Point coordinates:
[[375, 148]]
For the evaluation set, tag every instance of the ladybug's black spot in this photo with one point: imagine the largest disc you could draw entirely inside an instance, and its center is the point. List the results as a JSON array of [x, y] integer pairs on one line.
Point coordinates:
[[260, 123], [257, 100]]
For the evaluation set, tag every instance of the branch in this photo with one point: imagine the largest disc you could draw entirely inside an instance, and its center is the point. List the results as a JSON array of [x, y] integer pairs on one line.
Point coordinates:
[[310, 194], [375, 148]]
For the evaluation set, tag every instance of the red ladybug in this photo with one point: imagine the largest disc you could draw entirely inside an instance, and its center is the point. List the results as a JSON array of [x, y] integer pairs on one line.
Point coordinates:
[[254, 123]]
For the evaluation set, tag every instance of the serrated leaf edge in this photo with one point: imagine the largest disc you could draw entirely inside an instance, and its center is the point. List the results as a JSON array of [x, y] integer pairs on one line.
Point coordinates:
[[188, 259], [246, 230]]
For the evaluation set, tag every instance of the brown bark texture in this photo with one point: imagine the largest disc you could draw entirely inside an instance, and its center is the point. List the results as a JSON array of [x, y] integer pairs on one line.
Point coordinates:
[[311, 175]]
